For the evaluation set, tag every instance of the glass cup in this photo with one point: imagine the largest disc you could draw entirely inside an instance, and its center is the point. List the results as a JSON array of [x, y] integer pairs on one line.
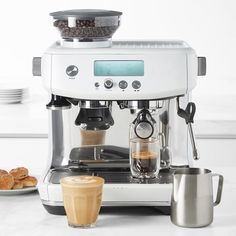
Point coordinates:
[[82, 196], [144, 157], [92, 137]]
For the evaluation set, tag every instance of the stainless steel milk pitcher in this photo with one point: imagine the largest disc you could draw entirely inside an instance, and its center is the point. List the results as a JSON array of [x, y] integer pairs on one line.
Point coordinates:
[[192, 197]]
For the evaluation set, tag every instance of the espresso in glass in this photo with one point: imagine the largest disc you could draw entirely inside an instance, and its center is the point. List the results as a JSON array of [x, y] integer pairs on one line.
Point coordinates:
[[82, 196], [144, 157]]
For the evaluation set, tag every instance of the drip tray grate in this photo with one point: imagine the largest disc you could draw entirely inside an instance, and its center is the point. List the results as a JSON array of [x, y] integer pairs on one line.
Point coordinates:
[[111, 177]]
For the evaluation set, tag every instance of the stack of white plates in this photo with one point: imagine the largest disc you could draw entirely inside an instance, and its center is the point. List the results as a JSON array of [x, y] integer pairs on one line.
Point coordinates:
[[12, 93]]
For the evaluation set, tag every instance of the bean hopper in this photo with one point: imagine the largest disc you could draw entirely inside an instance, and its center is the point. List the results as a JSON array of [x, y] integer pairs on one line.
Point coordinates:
[[100, 89]]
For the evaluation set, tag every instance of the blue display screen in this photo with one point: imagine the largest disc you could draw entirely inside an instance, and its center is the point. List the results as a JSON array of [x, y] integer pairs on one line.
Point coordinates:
[[119, 68]]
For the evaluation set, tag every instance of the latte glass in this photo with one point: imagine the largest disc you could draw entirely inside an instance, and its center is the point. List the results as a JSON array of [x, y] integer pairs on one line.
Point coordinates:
[[82, 197]]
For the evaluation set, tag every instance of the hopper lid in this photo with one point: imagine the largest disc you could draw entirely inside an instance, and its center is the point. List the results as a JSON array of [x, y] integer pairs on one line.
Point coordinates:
[[83, 13]]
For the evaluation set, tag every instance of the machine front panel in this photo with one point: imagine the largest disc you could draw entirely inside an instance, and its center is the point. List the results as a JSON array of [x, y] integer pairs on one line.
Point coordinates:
[[119, 77]]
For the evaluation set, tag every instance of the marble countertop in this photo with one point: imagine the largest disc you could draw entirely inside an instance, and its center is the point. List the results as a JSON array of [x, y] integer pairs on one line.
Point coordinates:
[[24, 215]]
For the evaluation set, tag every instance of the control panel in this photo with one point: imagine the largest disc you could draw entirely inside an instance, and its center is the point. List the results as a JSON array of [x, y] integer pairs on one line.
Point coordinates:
[[118, 73], [122, 84], [113, 68]]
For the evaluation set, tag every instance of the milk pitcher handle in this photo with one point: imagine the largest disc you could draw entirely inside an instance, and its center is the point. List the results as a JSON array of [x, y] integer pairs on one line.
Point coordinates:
[[219, 189]]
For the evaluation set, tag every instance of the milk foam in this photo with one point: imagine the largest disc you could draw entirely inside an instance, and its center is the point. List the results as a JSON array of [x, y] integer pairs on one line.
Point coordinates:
[[83, 180]]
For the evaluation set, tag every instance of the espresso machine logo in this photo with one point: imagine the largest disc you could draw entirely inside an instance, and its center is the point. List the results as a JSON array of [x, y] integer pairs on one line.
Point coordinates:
[[72, 71]]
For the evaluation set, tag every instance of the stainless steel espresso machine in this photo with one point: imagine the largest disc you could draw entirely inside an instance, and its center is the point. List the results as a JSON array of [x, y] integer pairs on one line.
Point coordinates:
[[98, 89]]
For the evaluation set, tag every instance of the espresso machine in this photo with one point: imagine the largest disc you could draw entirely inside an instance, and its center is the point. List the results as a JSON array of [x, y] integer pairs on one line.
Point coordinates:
[[97, 89]]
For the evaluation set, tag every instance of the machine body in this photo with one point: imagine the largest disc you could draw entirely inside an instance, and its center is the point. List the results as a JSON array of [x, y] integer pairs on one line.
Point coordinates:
[[97, 88]]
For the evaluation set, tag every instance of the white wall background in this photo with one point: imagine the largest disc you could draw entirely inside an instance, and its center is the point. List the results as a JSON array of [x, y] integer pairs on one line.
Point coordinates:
[[26, 30], [207, 25]]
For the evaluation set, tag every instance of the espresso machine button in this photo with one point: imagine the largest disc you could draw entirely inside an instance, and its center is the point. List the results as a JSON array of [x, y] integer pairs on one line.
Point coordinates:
[[123, 84], [108, 83], [96, 84], [136, 84], [72, 70]]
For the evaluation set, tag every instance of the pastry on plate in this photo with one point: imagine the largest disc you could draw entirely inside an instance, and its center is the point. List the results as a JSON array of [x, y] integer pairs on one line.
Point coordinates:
[[6, 182], [3, 172], [18, 184], [19, 173], [29, 181]]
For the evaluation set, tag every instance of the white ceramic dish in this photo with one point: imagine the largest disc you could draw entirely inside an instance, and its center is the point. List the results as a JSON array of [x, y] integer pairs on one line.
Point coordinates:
[[12, 86], [12, 92], [18, 191], [11, 97], [8, 101]]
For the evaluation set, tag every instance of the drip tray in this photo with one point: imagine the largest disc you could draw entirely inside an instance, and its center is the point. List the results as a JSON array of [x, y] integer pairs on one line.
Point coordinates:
[[111, 177]]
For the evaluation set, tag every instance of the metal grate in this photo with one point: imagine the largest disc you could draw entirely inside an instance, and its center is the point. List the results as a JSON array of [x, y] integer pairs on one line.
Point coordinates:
[[149, 44], [114, 177]]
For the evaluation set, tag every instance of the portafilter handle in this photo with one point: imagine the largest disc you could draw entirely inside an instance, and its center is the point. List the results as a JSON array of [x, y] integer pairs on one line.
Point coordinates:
[[188, 115], [144, 124]]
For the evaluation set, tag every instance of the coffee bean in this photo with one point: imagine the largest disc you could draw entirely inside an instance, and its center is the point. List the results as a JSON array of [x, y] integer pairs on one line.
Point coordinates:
[[84, 29]]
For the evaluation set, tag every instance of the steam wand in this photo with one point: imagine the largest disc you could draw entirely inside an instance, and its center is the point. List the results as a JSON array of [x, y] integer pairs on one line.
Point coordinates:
[[188, 115]]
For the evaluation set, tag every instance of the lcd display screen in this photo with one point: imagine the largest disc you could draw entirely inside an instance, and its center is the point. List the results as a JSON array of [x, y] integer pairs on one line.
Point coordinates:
[[119, 68]]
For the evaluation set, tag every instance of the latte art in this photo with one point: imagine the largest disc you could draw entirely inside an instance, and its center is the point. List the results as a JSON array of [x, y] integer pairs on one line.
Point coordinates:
[[82, 180]]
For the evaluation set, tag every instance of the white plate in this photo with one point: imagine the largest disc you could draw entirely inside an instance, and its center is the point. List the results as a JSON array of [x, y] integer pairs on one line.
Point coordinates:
[[15, 99], [12, 86], [3, 90], [12, 92], [10, 101], [11, 98], [15, 96], [18, 191], [11, 95]]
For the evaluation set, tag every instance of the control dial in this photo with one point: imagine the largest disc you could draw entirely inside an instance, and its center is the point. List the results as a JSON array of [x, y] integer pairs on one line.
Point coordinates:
[[108, 83], [136, 84], [123, 84]]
